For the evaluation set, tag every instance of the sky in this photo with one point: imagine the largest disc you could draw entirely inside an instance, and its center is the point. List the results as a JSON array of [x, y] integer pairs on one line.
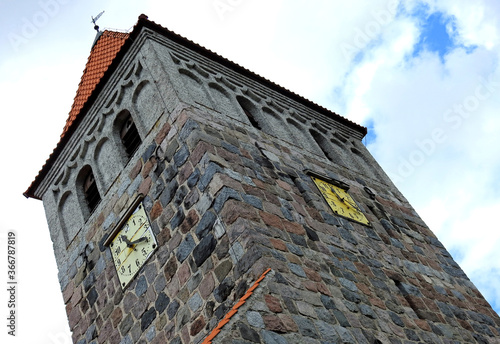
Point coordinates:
[[423, 76]]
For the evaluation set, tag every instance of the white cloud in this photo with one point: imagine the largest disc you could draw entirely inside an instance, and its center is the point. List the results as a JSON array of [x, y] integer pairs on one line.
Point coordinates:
[[477, 22], [451, 181]]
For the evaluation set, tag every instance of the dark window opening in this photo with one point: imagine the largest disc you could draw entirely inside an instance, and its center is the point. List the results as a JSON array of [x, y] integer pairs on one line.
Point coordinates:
[[130, 136], [91, 192], [252, 120], [322, 144], [249, 111]]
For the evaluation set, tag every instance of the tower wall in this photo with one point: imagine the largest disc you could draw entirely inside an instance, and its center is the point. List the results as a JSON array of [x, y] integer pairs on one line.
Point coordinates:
[[223, 169]]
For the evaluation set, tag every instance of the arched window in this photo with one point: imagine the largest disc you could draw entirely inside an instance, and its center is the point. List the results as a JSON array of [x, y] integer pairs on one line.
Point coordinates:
[[129, 136], [332, 149], [90, 191], [250, 111]]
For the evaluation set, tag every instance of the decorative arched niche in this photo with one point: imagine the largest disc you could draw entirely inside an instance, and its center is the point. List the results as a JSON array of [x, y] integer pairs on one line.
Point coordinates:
[[225, 102], [108, 162], [195, 87], [300, 135], [275, 125], [146, 103], [70, 217]]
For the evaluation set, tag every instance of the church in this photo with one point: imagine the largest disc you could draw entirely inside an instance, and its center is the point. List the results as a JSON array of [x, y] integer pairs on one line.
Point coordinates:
[[190, 200]]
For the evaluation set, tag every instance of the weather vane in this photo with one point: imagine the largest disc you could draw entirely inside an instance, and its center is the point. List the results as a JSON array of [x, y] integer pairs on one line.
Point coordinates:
[[96, 27]]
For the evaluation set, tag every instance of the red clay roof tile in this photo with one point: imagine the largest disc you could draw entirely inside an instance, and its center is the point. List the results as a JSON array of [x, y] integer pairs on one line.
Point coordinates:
[[101, 56]]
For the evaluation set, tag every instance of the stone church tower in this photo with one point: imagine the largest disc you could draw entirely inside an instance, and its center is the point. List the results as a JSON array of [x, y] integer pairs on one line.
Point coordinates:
[[190, 200]]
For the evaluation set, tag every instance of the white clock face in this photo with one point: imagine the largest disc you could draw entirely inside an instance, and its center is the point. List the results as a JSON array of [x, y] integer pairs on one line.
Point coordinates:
[[132, 246]]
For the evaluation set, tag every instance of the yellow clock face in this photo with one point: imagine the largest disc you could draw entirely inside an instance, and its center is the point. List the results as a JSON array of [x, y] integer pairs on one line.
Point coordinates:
[[132, 246], [340, 201]]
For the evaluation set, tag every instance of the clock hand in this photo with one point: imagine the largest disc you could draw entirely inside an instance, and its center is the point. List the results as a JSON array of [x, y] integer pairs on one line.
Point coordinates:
[[344, 200], [336, 194], [132, 243], [124, 238], [354, 205], [138, 240]]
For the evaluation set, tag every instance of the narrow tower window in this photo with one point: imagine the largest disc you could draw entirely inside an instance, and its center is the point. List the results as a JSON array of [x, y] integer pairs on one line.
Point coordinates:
[[322, 144], [91, 192], [249, 110], [130, 136]]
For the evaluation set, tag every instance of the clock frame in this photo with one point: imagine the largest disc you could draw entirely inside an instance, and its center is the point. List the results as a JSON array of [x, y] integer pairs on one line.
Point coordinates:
[[335, 193], [132, 242]]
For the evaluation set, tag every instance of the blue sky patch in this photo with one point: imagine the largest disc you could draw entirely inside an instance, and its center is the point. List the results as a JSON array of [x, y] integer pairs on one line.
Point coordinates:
[[371, 136], [437, 33]]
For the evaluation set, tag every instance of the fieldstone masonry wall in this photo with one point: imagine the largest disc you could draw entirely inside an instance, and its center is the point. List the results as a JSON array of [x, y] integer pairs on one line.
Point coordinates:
[[229, 199], [225, 207]]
